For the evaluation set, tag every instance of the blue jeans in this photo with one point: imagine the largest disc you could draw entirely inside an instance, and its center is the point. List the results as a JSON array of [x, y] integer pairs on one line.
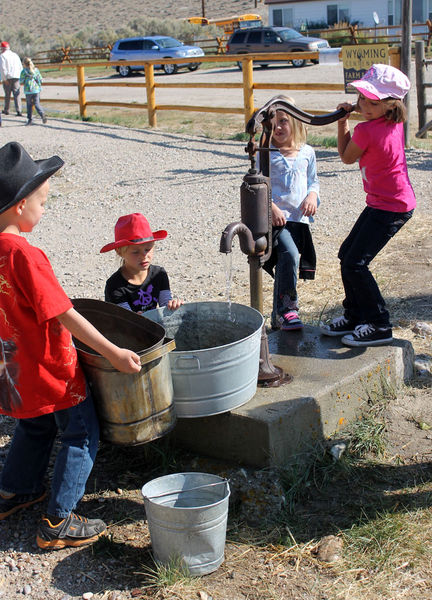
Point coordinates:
[[33, 100], [373, 229], [28, 457], [285, 283]]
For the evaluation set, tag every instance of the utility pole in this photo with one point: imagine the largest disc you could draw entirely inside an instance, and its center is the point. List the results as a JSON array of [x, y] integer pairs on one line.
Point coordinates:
[[203, 7], [406, 40]]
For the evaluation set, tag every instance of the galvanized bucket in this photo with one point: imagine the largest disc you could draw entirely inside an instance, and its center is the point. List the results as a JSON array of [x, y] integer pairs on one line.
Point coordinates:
[[187, 516], [215, 365], [132, 408]]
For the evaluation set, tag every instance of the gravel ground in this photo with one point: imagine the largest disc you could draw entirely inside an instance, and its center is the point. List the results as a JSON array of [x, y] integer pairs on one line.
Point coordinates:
[[189, 186]]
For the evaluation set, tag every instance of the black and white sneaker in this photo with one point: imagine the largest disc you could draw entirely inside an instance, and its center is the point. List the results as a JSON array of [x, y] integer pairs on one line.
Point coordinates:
[[339, 326], [368, 335]]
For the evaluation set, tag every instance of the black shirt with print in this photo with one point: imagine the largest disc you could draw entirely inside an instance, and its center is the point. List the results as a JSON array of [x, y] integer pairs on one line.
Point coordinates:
[[139, 297]]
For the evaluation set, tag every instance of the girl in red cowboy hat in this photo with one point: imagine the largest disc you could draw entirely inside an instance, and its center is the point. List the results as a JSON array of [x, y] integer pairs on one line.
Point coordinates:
[[138, 285]]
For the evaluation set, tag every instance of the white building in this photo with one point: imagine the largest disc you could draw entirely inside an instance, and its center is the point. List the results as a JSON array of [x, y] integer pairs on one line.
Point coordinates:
[[295, 13]]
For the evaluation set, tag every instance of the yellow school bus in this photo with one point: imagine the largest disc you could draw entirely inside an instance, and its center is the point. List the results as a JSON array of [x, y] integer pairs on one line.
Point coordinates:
[[230, 23]]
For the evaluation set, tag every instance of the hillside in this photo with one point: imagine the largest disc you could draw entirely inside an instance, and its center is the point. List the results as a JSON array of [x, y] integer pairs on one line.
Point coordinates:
[[49, 19]]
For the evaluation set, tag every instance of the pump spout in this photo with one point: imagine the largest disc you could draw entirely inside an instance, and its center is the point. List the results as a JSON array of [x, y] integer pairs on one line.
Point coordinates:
[[247, 243]]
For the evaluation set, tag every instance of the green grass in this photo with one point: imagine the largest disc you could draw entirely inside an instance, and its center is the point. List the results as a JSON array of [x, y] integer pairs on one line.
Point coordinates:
[[324, 141], [166, 575], [385, 541], [366, 437], [210, 126]]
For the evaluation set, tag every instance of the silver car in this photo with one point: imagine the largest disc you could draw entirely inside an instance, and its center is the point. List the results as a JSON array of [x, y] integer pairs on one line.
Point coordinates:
[[273, 39], [151, 48]]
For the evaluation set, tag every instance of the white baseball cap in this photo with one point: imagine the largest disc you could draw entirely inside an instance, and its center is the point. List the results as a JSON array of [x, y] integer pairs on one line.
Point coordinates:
[[382, 81]]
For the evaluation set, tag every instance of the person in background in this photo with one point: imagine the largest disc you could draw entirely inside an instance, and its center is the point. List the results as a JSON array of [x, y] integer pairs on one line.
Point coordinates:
[[41, 382], [138, 285], [31, 78], [378, 144], [10, 70], [295, 200]]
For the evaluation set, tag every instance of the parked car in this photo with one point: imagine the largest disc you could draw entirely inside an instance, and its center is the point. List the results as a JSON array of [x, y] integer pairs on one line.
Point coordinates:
[[273, 39], [150, 48]]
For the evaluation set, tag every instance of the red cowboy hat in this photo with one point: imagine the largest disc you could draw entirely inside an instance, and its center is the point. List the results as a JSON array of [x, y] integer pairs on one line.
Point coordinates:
[[131, 230]]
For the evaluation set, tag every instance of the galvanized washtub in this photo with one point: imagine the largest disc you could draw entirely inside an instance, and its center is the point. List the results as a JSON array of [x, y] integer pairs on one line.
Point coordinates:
[[132, 408], [215, 364]]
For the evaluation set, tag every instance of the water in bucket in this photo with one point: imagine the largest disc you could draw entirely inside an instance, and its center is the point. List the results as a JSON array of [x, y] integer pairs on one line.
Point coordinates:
[[215, 364]]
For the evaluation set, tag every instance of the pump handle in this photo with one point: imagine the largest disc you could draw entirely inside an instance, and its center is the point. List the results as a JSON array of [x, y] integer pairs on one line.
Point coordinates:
[[268, 111]]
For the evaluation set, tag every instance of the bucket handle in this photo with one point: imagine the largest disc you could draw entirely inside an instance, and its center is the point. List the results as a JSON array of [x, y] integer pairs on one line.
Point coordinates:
[[198, 487], [188, 358], [158, 352]]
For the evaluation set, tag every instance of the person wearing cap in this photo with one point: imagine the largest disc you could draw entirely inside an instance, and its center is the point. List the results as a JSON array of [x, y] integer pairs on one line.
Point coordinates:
[[41, 382], [10, 70], [378, 144], [138, 285]]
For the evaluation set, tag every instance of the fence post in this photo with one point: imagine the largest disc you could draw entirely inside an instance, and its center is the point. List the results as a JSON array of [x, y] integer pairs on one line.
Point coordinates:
[[151, 100], [353, 32], [81, 91], [248, 88], [420, 83]]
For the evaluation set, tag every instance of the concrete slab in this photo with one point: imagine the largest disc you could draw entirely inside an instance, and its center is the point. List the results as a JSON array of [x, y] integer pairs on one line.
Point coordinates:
[[331, 384]]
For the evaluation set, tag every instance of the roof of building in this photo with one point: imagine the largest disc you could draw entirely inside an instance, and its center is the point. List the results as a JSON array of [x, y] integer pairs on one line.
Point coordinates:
[[285, 1]]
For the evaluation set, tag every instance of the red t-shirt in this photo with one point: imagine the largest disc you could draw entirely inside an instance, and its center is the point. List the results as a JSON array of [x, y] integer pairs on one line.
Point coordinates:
[[383, 165], [39, 369]]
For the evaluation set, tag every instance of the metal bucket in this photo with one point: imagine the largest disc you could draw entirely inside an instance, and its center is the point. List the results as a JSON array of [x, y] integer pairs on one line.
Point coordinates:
[[215, 365], [187, 516], [132, 408]]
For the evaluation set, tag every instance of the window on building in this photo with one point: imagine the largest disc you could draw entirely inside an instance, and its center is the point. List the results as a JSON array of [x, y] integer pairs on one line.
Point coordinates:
[[398, 12], [430, 10], [283, 17], [332, 14], [337, 14], [390, 12], [344, 15], [417, 11]]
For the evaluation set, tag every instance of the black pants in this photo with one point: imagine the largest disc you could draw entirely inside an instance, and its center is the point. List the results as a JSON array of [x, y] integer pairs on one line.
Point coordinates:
[[373, 229]]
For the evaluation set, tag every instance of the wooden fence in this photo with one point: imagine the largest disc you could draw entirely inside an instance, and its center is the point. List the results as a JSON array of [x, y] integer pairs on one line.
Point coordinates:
[[380, 33], [216, 45], [247, 86], [71, 55]]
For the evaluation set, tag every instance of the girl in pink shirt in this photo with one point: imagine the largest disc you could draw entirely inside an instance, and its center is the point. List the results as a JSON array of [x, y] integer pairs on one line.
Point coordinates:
[[378, 145]]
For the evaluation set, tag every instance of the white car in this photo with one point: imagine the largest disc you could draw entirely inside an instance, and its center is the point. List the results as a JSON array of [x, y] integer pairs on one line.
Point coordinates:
[[151, 48]]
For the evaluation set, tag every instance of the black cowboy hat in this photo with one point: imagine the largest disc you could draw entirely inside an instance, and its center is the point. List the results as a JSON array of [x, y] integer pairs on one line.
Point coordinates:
[[20, 174]]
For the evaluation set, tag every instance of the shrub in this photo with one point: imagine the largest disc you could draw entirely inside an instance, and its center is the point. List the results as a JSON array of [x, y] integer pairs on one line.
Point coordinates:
[[25, 43]]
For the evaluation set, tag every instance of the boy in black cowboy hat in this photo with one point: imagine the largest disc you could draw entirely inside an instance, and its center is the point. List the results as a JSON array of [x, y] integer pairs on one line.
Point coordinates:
[[41, 383]]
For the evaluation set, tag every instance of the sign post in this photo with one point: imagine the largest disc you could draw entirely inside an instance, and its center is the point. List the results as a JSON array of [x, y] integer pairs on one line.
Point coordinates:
[[406, 55]]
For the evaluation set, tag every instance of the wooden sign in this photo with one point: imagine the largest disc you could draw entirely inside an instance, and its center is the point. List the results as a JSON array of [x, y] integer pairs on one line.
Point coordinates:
[[358, 59]]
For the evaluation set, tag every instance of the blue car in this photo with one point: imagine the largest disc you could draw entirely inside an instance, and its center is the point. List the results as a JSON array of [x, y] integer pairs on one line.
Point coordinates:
[[150, 48]]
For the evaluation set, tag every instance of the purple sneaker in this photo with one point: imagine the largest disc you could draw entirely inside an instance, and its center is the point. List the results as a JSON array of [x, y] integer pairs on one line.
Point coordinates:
[[290, 320]]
